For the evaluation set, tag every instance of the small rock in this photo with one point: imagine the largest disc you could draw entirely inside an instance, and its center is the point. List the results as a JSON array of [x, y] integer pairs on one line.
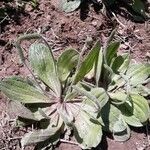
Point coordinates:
[[94, 23]]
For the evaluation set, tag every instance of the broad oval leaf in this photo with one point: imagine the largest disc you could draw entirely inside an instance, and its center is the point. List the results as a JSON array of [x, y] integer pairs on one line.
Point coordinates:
[[18, 90], [20, 110], [41, 135], [87, 63], [88, 105], [69, 6], [66, 63], [88, 132], [101, 95], [137, 113], [138, 73], [118, 97], [43, 63], [121, 131], [109, 116]]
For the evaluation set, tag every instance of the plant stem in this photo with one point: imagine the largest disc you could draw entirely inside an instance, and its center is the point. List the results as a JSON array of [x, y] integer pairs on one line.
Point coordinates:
[[70, 142]]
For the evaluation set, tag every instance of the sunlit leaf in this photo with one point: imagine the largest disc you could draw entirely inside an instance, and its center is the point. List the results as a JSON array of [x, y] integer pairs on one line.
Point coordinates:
[[111, 51], [118, 97], [121, 63], [18, 90], [87, 63], [44, 65], [109, 116], [98, 67], [20, 110], [138, 73], [69, 6], [88, 132], [66, 63], [41, 135], [121, 131], [136, 112]]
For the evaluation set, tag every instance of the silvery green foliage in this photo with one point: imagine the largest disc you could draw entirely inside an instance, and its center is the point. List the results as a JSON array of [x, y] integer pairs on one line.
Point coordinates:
[[54, 104], [61, 95]]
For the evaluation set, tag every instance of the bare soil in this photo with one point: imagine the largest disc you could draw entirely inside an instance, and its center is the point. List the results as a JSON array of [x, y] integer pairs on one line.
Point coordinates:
[[66, 30]]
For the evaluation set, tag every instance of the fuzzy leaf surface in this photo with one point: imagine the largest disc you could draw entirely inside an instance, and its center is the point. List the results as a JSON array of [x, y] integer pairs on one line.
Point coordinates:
[[69, 6], [98, 67], [20, 110], [43, 64], [121, 131], [18, 90], [87, 63], [66, 63], [136, 112], [41, 135], [111, 51], [138, 73], [88, 132]]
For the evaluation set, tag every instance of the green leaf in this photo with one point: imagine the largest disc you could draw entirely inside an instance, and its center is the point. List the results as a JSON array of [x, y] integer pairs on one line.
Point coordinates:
[[38, 136], [87, 132], [118, 97], [111, 51], [87, 63], [109, 116], [142, 90], [66, 63], [43, 112], [101, 95], [65, 112], [121, 63], [138, 6], [89, 95], [117, 82], [20, 110], [69, 6], [18, 90], [70, 96], [121, 131], [43, 63], [138, 73], [102, 99], [137, 112], [98, 67]]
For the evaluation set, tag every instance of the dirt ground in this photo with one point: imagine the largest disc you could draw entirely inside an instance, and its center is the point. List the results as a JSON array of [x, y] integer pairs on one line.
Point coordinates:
[[61, 31]]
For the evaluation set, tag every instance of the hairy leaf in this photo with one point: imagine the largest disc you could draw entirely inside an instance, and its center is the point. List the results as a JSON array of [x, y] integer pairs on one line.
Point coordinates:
[[98, 67], [18, 90], [121, 63], [69, 6], [118, 97], [109, 116], [38, 136], [43, 64], [66, 63], [137, 111], [87, 63], [111, 51], [88, 132], [138, 73], [121, 131], [20, 110]]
